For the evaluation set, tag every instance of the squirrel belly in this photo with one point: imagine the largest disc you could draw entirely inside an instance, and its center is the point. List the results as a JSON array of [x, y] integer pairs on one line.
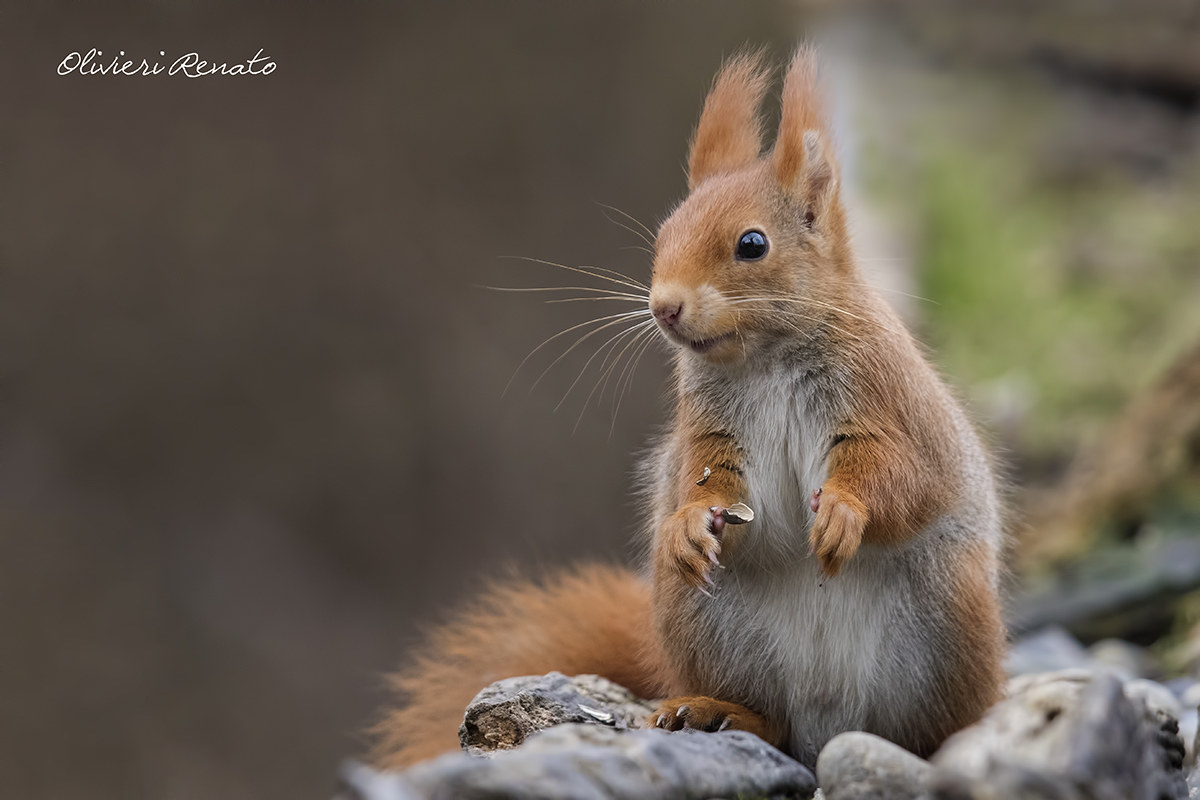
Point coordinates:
[[876, 649]]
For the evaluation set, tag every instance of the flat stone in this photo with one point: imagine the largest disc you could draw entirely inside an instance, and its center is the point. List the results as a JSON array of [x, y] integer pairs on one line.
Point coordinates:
[[594, 762]]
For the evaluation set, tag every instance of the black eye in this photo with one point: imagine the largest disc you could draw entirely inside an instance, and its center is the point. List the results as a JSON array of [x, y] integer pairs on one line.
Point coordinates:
[[752, 246]]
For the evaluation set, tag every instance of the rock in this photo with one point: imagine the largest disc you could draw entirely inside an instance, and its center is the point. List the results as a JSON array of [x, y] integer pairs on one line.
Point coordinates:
[[1123, 657], [1078, 734], [1065, 736], [1115, 591], [357, 781], [1048, 650], [581, 738], [593, 762], [1188, 692], [862, 766], [504, 714], [1161, 705]]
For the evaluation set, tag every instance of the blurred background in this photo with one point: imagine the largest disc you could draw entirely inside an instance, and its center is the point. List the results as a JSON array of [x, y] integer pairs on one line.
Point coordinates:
[[253, 422]]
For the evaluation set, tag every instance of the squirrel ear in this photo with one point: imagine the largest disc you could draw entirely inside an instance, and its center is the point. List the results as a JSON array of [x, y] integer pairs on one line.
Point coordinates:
[[729, 134], [802, 159]]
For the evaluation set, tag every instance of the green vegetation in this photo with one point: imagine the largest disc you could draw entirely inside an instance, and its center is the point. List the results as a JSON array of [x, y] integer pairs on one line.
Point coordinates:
[[1057, 293]]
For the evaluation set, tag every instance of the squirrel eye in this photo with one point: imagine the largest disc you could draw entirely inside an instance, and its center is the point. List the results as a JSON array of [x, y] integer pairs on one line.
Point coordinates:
[[751, 246]]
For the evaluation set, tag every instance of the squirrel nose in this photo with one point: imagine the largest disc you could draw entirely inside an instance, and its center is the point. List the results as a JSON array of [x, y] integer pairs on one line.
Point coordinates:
[[667, 313]]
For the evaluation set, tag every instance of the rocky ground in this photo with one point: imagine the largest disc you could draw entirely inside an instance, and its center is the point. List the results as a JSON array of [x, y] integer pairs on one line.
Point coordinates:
[[1077, 724]]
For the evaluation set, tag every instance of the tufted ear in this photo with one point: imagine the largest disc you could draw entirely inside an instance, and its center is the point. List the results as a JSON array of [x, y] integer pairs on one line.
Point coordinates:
[[729, 134], [803, 157]]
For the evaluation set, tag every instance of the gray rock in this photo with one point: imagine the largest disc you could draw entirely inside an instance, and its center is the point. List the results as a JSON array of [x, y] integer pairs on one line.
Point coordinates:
[[1115, 591], [1159, 703], [1048, 650], [357, 781], [1189, 720], [1123, 657], [862, 766], [1062, 736], [506, 713], [591, 762]]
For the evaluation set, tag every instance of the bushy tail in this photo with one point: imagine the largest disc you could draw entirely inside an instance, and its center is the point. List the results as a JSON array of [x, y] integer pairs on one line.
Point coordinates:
[[593, 619]]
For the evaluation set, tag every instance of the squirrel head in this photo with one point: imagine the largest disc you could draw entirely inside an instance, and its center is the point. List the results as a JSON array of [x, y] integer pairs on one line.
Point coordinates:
[[745, 259]]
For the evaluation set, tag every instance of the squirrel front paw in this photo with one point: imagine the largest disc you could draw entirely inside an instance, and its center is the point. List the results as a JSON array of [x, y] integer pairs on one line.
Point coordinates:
[[690, 543], [838, 529]]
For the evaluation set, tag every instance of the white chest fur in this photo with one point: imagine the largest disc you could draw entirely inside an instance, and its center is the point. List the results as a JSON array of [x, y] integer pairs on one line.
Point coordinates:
[[785, 433], [819, 650]]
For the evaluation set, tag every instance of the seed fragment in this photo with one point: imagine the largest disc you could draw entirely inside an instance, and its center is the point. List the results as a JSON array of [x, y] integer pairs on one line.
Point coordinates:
[[603, 717], [738, 513], [704, 480]]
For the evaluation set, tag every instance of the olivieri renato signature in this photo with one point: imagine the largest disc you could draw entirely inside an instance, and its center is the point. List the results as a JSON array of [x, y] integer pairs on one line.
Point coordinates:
[[188, 65]]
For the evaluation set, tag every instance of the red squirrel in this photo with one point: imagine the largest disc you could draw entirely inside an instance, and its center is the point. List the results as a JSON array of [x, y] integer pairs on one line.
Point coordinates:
[[863, 594]]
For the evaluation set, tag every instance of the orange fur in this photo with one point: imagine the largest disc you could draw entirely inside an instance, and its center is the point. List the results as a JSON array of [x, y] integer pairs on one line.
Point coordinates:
[[891, 470], [802, 158], [686, 545], [976, 666], [729, 133], [594, 619], [707, 714]]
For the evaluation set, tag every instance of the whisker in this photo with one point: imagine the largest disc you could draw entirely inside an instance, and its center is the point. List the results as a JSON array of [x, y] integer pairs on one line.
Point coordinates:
[[535, 350], [899, 292], [626, 227], [607, 374], [821, 303], [631, 366], [634, 220], [588, 363], [622, 298], [605, 291], [611, 362], [623, 317], [603, 273], [808, 318]]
